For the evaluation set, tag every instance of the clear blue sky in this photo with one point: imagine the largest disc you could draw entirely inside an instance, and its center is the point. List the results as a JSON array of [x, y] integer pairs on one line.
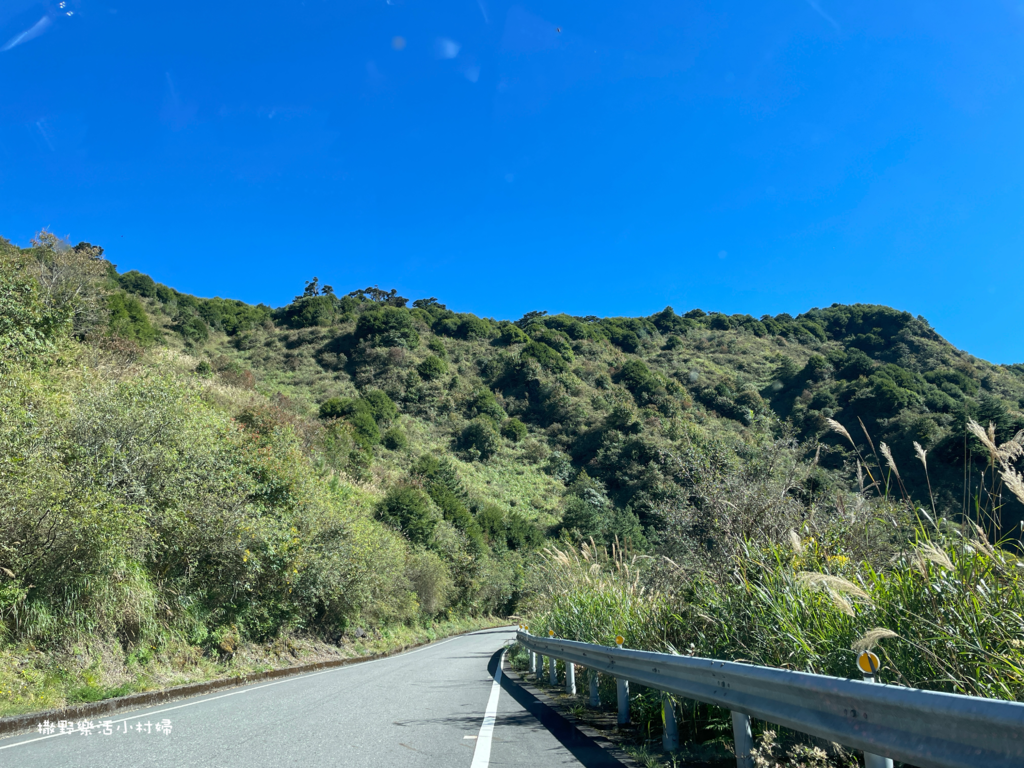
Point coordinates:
[[742, 157]]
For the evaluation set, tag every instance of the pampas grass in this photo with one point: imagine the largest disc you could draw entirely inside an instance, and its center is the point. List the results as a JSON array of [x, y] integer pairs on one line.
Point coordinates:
[[871, 638]]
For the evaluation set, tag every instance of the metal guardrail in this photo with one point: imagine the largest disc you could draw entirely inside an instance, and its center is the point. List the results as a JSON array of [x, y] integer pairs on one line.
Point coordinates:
[[924, 728]]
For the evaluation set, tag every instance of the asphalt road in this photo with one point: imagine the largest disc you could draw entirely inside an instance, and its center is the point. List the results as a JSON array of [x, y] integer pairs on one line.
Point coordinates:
[[427, 707]]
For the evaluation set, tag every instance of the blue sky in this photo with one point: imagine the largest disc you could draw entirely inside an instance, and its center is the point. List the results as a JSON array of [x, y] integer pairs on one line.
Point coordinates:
[[593, 158]]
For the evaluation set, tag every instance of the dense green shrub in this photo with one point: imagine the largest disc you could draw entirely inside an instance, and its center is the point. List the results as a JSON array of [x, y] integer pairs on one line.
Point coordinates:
[[129, 320], [407, 509], [381, 406], [472, 327], [136, 282], [191, 327], [375, 405], [432, 367], [436, 346], [441, 470], [484, 403], [315, 310], [545, 355], [513, 334], [387, 326], [513, 429], [336, 407], [395, 440], [480, 438]]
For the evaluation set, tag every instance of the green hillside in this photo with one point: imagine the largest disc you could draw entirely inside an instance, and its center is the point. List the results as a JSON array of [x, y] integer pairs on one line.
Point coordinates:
[[185, 481], [615, 397]]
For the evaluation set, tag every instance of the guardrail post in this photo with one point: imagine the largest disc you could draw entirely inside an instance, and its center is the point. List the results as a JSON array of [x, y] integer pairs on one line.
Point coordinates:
[[868, 664], [670, 733], [539, 674], [570, 678], [533, 663], [595, 695], [743, 739], [622, 689], [552, 672]]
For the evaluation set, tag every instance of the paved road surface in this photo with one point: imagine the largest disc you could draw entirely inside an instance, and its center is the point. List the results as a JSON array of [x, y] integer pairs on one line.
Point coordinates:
[[426, 707]]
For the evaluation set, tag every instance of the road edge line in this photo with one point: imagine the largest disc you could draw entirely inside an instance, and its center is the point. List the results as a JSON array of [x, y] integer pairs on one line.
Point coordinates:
[[482, 751]]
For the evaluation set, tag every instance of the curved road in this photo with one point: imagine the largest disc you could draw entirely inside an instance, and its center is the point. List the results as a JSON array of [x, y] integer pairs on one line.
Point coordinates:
[[439, 705]]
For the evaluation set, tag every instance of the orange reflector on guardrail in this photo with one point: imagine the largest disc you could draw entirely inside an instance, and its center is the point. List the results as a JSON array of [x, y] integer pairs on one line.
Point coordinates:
[[868, 662]]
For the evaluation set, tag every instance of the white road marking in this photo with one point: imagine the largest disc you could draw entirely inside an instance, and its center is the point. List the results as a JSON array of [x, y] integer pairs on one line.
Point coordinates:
[[482, 753], [266, 685]]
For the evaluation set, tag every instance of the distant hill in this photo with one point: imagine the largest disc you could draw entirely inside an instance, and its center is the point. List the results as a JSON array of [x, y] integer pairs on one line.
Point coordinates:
[[615, 397]]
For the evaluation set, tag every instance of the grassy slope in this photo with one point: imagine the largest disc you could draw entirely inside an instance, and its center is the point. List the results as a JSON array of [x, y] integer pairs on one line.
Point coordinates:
[[712, 375]]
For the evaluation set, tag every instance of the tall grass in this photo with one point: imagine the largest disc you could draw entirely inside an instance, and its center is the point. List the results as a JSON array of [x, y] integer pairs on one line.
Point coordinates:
[[592, 595], [939, 601]]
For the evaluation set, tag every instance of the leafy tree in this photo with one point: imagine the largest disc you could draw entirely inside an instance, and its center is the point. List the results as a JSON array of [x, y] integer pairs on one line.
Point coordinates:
[[312, 289], [787, 369], [456, 512], [387, 326], [407, 509], [379, 296], [634, 374], [443, 471], [623, 337], [428, 304], [522, 533], [623, 525], [136, 282], [381, 406], [128, 319], [366, 414], [312, 310], [68, 281], [27, 326], [582, 517], [471, 328], [509, 530], [529, 317], [191, 327], [855, 365], [367, 433]]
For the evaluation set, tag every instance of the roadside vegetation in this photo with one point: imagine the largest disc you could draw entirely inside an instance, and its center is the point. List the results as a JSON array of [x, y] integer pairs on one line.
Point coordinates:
[[185, 481], [748, 572]]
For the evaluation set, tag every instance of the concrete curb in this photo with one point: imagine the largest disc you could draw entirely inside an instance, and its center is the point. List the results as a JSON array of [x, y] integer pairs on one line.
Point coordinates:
[[91, 710], [598, 737]]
